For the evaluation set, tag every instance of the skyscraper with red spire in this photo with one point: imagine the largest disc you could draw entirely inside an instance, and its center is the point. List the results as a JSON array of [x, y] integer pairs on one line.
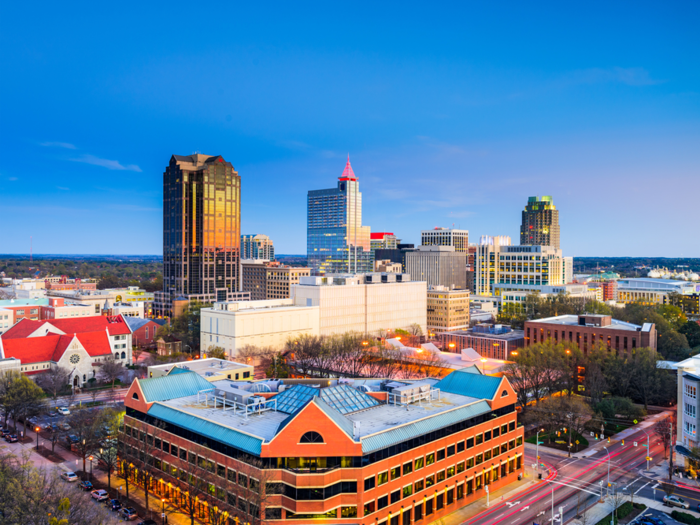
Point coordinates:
[[336, 241]]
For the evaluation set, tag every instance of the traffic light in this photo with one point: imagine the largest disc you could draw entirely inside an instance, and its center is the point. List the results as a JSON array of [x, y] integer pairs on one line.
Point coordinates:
[[623, 441], [608, 440]]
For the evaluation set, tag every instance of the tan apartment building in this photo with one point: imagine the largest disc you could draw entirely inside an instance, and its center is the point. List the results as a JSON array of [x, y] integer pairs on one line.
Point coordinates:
[[269, 280], [447, 310]]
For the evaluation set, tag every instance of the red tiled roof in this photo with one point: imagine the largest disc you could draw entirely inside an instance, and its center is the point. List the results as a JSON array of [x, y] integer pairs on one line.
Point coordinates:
[[379, 235], [52, 347], [115, 324]]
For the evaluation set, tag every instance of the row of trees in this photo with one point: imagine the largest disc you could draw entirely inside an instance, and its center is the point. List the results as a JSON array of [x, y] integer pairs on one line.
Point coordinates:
[[543, 369], [353, 354], [34, 496], [676, 335]]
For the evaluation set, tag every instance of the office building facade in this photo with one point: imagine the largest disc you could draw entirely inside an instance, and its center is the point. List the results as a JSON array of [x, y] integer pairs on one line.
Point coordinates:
[[269, 279], [257, 246], [438, 266], [459, 239], [404, 452], [383, 241], [201, 230], [540, 223], [447, 310], [336, 240], [488, 340]]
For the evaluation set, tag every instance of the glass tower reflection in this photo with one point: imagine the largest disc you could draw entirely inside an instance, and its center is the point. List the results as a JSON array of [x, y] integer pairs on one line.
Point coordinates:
[[336, 241]]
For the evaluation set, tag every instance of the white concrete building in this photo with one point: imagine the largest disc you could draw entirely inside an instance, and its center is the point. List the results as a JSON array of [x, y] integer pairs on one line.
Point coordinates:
[[369, 303], [211, 369], [269, 323], [458, 239]]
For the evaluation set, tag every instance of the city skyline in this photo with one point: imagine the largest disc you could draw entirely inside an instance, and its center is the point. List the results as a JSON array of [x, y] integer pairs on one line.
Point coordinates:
[[459, 126]]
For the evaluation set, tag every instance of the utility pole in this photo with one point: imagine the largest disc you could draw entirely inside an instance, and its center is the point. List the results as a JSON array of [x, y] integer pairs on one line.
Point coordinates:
[[670, 452], [570, 418]]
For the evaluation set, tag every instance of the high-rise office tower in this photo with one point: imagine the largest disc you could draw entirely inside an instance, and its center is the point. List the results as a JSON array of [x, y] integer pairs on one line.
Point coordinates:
[[201, 231], [336, 241], [540, 226], [446, 237]]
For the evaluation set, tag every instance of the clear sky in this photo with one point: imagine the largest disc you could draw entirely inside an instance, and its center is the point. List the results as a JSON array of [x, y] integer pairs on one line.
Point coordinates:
[[453, 113]]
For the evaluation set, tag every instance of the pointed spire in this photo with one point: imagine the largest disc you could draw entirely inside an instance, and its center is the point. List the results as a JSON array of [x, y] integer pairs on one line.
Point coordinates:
[[348, 174]]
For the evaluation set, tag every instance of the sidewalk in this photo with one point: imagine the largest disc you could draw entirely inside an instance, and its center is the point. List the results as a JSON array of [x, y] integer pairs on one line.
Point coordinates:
[[495, 498]]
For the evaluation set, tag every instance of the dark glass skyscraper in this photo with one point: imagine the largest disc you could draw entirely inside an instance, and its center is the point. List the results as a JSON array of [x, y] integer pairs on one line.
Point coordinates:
[[336, 241], [201, 231], [540, 226]]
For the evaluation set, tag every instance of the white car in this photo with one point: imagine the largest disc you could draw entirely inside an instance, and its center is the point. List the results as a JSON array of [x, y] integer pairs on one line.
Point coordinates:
[[99, 495], [63, 411], [69, 476]]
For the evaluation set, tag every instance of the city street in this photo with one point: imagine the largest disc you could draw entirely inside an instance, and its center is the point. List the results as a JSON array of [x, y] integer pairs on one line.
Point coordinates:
[[576, 483]]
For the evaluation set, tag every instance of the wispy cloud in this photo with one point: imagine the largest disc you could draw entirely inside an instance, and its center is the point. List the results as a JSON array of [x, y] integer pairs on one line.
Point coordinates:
[[105, 163], [12, 178], [632, 76], [64, 145], [63, 188]]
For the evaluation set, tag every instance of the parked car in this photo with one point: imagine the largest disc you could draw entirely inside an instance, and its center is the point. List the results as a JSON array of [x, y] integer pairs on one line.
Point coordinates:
[[11, 438], [4, 432], [99, 495], [72, 439], [85, 485], [129, 514], [63, 411], [675, 501], [69, 476], [113, 504], [653, 520], [64, 426]]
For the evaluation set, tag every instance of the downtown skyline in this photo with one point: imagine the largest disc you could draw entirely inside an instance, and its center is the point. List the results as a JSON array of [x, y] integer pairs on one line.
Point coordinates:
[[458, 126]]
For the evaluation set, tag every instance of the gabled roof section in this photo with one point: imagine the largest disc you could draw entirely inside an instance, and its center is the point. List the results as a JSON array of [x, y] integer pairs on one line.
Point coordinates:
[[346, 399], [115, 325], [217, 431], [178, 370], [173, 386], [52, 347], [470, 384], [339, 419], [136, 322], [294, 399], [403, 433]]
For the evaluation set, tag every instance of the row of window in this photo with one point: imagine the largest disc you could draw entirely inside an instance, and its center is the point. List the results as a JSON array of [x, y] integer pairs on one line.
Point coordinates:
[[691, 391], [429, 459], [690, 409]]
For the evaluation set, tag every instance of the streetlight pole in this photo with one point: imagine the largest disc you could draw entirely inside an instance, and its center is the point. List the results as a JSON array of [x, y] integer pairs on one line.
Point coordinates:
[[37, 438], [537, 448], [90, 458], [648, 450], [570, 417], [606, 450], [162, 513]]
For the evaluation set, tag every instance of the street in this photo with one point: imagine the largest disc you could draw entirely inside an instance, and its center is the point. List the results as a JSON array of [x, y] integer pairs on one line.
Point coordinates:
[[576, 483]]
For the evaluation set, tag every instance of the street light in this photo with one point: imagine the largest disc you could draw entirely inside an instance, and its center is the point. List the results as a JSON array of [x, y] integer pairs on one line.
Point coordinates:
[[606, 450], [537, 448], [90, 458], [37, 439], [648, 451], [162, 514]]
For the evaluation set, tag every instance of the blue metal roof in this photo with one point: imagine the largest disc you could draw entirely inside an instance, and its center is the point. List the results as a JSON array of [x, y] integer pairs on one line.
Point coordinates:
[[173, 386], [469, 384], [294, 398], [135, 322], [225, 435], [423, 426], [179, 370]]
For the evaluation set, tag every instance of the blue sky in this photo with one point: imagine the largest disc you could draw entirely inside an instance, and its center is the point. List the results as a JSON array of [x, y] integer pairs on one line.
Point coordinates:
[[452, 113]]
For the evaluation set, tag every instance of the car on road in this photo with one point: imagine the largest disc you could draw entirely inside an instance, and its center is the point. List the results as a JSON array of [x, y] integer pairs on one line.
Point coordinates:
[[85, 485], [69, 476], [675, 501], [147, 522], [129, 514], [64, 426], [653, 520], [113, 504], [72, 439], [63, 411], [99, 495], [4, 432], [11, 438]]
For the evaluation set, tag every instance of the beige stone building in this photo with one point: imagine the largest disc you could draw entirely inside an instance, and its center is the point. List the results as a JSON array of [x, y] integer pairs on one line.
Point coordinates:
[[447, 310], [269, 280]]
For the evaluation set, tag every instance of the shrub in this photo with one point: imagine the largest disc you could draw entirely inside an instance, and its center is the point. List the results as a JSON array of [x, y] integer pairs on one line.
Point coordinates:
[[684, 517]]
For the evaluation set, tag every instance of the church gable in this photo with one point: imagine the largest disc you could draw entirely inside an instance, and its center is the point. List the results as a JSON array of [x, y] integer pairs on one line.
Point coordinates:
[[45, 329]]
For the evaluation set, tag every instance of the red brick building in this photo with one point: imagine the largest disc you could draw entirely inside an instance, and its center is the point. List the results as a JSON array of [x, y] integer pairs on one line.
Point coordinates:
[[357, 452], [589, 329], [143, 331]]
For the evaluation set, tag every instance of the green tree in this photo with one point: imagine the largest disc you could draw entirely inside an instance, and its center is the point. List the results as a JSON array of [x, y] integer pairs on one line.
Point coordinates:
[[691, 331]]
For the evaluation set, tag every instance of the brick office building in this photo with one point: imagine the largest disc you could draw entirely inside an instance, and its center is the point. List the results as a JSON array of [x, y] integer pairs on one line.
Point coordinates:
[[357, 452], [588, 329]]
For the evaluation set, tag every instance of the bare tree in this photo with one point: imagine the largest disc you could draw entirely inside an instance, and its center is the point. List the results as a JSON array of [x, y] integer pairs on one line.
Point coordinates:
[[108, 452], [663, 430], [54, 380], [111, 370], [86, 430], [144, 451]]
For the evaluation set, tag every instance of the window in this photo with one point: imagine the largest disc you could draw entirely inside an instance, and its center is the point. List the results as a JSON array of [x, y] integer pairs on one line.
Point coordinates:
[[440, 476], [396, 496], [496, 432], [511, 426], [504, 429], [123, 355], [370, 507], [382, 502], [419, 485], [383, 477], [479, 459], [418, 512], [460, 446], [690, 428], [407, 491], [441, 454], [429, 481], [487, 436], [311, 437], [470, 442], [395, 473], [691, 391], [439, 501], [460, 467], [275, 513], [429, 507], [451, 450], [460, 491], [135, 396], [479, 439], [430, 459], [407, 468], [690, 410], [369, 483], [348, 512], [418, 464], [450, 471], [487, 455]]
